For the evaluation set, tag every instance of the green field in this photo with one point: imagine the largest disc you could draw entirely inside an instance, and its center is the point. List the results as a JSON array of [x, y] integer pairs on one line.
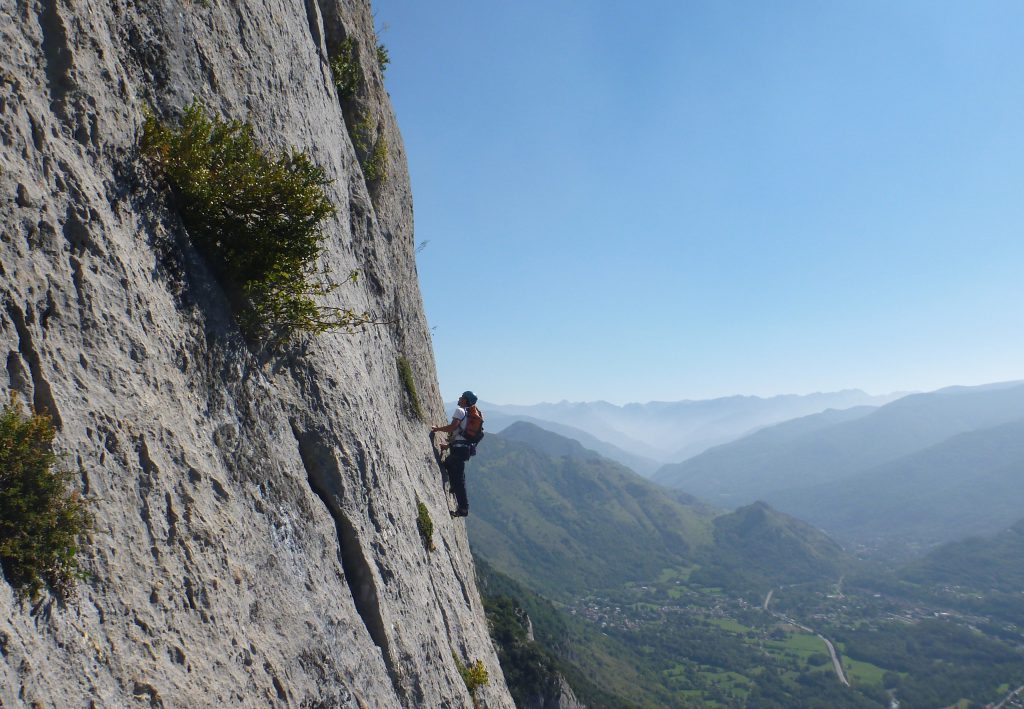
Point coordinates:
[[732, 681], [676, 573], [805, 644], [730, 625], [862, 673], [797, 647]]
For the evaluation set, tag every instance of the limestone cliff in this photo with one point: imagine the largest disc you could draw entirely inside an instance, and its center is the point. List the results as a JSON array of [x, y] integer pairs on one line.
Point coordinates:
[[256, 540]]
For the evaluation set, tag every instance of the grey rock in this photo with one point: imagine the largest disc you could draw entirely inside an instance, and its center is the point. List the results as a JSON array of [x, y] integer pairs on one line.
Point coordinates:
[[556, 695], [566, 699], [256, 539]]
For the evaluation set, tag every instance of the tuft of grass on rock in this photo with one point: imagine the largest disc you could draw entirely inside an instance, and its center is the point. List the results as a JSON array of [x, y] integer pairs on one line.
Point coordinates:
[[405, 373], [425, 525], [41, 521], [256, 217]]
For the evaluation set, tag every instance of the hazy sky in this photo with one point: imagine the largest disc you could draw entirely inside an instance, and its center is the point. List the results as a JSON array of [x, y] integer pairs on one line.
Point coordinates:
[[687, 199]]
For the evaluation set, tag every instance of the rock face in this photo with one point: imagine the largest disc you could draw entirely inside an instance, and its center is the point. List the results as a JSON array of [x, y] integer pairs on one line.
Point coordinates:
[[256, 540], [556, 695], [565, 699]]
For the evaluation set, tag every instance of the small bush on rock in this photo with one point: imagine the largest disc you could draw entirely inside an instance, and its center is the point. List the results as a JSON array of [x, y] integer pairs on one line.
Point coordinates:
[[256, 218], [347, 70], [375, 168], [41, 522], [373, 150], [474, 675]]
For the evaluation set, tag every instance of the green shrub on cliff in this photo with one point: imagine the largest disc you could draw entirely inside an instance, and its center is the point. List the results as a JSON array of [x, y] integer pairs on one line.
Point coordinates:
[[346, 69], [474, 675], [41, 522], [256, 217], [372, 151], [375, 167], [528, 668]]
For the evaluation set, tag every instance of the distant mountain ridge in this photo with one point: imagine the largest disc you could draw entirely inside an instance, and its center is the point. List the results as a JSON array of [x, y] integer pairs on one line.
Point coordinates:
[[672, 431], [548, 442], [970, 484], [928, 467], [498, 422]]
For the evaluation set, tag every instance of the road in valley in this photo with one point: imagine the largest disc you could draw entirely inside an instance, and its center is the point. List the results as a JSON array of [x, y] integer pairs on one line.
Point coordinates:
[[835, 660], [828, 643], [1008, 698]]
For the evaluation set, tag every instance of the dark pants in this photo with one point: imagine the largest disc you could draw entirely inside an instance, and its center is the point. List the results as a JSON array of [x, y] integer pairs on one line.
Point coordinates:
[[455, 464]]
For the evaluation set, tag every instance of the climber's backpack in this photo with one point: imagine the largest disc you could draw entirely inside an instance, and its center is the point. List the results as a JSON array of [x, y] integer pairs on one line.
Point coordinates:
[[474, 430]]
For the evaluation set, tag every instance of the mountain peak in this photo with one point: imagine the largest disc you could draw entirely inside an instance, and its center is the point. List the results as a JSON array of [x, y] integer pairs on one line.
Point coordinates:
[[545, 441]]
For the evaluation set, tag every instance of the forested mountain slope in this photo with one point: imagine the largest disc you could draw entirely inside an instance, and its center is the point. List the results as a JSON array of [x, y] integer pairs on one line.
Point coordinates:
[[836, 445], [971, 484], [574, 522]]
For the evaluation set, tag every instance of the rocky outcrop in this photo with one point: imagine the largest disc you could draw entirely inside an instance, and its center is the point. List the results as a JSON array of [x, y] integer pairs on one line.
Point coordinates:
[[565, 698], [553, 694], [256, 540]]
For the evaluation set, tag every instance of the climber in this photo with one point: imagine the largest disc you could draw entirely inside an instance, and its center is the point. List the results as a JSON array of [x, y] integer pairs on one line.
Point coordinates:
[[464, 432]]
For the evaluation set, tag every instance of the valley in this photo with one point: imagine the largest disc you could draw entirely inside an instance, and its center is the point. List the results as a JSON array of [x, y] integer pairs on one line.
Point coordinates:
[[713, 648], [656, 599]]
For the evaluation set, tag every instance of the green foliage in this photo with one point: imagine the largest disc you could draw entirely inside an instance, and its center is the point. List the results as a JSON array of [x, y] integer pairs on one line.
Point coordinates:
[[939, 662], [256, 218], [689, 629], [529, 670], [425, 525], [757, 547], [347, 70], [405, 373], [817, 659], [568, 525], [562, 644], [375, 168], [976, 576], [373, 150], [984, 564], [40, 521], [474, 675]]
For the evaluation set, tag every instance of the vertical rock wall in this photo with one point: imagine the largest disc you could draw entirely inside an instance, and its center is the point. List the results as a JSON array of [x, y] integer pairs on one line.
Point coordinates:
[[256, 539]]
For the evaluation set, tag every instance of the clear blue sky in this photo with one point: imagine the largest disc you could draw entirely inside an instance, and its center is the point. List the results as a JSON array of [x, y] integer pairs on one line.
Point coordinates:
[[688, 199]]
